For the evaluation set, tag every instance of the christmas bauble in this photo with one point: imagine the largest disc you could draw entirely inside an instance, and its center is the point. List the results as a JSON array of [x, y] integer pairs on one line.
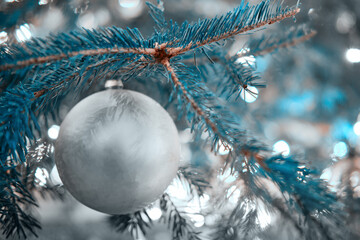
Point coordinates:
[[117, 151]]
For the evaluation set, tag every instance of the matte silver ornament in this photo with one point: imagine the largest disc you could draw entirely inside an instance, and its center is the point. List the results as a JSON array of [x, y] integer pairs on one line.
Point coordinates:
[[117, 151]]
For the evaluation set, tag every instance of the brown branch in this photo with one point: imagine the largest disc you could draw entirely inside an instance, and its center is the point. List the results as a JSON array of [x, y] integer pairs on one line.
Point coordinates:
[[259, 158], [90, 52], [292, 43], [169, 52], [236, 31], [187, 96], [162, 55]]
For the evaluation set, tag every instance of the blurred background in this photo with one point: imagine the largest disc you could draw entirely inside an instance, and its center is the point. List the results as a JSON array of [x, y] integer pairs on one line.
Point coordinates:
[[309, 108]]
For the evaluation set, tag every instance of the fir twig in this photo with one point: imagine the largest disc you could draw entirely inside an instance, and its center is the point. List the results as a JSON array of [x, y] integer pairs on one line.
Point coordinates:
[[179, 225], [36, 74], [130, 41], [131, 222], [83, 53], [196, 180], [14, 197], [241, 20], [177, 83]]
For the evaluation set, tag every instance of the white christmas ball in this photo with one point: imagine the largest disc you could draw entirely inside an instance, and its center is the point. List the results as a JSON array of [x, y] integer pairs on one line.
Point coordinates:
[[117, 151]]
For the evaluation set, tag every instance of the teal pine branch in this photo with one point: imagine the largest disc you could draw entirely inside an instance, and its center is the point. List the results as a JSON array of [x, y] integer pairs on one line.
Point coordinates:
[[14, 195], [36, 75]]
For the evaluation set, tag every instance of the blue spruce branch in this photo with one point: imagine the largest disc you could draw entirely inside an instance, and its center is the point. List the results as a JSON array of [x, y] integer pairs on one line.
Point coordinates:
[[14, 196], [36, 75], [310, 193]]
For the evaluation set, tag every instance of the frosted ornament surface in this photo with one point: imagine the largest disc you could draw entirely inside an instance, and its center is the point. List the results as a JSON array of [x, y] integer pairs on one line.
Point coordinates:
[[117, 151]]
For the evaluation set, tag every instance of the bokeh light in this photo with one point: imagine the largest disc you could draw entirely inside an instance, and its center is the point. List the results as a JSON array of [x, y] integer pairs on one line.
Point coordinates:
[[94, 19], [23, 33], [248, 60], [281, 147], [250, 95], [3, 37], [340, 149], [41, 176], [155, 213], [87, 20], [224, 148], [353, 55], [345, 22], [326, 174], [53, 132], [228, 176], [356, 128], [264, 218], [129, 3], [332, 176], [177, 190], [55, 177], [130, 8], [233, 194], [355, 179], [199, 220], [43, 2]]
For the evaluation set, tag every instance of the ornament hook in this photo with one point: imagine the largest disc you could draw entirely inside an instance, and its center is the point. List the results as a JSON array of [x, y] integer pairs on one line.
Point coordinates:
[[114, 84]]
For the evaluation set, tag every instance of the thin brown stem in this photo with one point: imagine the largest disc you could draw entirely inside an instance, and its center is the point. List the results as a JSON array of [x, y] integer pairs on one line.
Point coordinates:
[[187, 96], [259, 158], [90, 52], [162, 54], [170, 52]]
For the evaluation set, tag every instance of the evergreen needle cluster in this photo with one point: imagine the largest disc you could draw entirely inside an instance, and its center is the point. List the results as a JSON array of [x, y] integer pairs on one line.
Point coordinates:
[[36, 75]]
